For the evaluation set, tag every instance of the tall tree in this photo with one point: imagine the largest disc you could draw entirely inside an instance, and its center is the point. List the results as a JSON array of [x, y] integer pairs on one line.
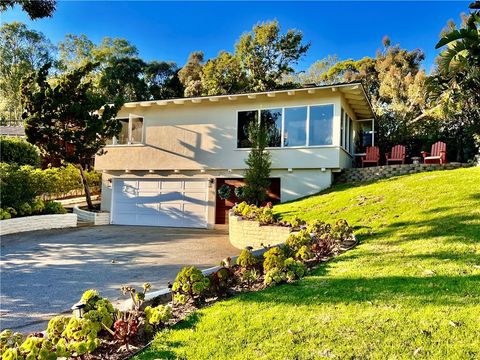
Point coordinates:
[[75, 51], [266, 55], [36, 9], [21, 50], [222, 75], [64, 120], [190, 74], [162, 80], [454, 88]]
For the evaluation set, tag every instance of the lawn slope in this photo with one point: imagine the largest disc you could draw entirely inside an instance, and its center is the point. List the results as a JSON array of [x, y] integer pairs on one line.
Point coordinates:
[[411, 289]]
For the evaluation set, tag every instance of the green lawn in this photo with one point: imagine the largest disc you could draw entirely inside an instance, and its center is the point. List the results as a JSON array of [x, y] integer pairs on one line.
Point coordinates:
[[411, 289]]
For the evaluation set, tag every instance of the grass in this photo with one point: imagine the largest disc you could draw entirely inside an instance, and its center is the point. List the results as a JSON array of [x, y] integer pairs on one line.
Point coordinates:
[[411, 289]]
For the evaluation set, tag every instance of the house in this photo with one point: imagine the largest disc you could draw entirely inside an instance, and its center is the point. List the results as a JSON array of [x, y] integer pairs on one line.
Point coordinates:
[[171, 156]]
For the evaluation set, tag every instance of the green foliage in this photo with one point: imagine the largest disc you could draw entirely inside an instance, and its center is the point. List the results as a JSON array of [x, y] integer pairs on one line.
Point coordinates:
[[291, 270], [97, 309], [56, 326], [224, 192], [221, 280], [24, 209], [273, 258], [81, 336], [38, 207], [246, 259], [264, 214], [298, 245], [318, 227], [37, 348], [296, 222], [18, 151], [36, 9], [259, 163], [9, 340], [240, 192], [341, 231], [158, 316], [53, 207], [4, 214], [190, 284]]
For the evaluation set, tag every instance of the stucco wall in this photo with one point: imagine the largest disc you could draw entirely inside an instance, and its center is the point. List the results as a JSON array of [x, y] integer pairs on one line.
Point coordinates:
[[96, 218], [243, 233], [195, 136]]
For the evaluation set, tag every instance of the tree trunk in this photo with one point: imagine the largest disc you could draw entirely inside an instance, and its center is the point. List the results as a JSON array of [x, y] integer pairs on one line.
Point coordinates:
[[88, 196]]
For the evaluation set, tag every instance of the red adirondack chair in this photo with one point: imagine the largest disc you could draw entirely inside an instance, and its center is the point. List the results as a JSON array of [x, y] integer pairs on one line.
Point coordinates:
[[438, 154], [372, 156], [396, 155]]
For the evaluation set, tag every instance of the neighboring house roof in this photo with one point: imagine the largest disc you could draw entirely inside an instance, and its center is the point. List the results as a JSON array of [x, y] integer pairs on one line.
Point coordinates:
[[18, 131], [354, 94]]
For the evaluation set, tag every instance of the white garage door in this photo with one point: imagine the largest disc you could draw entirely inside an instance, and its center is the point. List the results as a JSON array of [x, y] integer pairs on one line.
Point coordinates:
[[172, 202]]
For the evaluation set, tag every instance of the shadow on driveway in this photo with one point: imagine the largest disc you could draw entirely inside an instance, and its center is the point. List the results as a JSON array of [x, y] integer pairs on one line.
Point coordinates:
[[43, 273]]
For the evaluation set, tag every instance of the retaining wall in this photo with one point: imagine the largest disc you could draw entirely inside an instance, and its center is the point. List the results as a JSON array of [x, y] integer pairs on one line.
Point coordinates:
[[95, 218], [243, 233], [37, 222], [386, 171]]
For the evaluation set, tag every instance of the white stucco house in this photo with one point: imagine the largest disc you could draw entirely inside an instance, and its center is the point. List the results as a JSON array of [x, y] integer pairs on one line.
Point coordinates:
[[172, 155]]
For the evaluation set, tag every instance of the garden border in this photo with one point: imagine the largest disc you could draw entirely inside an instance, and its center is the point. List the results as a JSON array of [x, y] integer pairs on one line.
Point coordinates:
[[95, 218], [37, 222]]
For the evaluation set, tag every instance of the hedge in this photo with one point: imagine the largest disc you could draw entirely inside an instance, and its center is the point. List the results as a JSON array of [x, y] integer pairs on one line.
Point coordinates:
[[19, 151], [22, 184]]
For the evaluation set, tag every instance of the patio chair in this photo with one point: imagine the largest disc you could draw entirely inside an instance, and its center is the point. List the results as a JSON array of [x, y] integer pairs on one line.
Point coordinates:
[[438, 154], [372, 156], [396, 155]]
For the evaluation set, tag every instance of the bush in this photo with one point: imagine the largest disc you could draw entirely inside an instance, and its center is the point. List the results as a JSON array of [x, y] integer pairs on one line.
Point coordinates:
[[38, 207], [18, 151], [157, 316], [246, 259], [274, 258], [264, 214], [221, 280], [296, 222], [291, 270], [296, 242], [4, 214], [24, 209], [318, 227], [190, 284], [52, 207]]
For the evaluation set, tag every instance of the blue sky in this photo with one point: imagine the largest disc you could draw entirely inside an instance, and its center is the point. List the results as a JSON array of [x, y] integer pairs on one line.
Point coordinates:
[[171, 30]]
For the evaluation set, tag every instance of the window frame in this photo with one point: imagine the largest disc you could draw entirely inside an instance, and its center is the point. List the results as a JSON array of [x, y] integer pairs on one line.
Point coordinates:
[[307, 126], [130, 143]]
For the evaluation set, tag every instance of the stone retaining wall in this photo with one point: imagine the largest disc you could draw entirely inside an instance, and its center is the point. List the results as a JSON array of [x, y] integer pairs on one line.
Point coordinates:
[[386, 171], [95, 218], [37, 222], [243, 233]]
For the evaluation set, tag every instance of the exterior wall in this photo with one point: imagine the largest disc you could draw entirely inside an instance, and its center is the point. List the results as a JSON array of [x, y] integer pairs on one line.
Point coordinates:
[[387, 171], [243, 233], [37, 222], [96, 218], [295, 184], [204, 136]]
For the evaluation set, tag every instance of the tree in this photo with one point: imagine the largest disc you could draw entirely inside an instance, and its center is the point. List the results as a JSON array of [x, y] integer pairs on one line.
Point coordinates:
[[258, 161], [36, 9], [162, 80], [454, 88], [65, 121], [21, 50], [190, 74], [75, 51], [222, 75], [266, 55]]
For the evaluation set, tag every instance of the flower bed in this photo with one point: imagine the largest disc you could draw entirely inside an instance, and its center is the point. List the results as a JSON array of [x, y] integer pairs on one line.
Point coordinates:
[[99, 331]]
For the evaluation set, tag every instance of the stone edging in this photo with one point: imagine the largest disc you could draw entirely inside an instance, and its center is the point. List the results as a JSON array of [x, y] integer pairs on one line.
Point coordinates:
[[95, 218], [37, 222]]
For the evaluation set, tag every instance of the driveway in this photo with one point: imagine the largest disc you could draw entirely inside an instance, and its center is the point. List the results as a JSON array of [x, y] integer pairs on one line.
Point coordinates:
[[44, 273]]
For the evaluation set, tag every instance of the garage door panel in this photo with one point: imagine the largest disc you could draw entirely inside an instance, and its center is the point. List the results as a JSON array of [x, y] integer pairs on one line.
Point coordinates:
[[177, 203]]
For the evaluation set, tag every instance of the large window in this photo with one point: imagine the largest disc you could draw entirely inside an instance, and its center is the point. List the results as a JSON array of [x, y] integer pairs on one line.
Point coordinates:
[[365, 136], [301, 126], [131, 133], [321, 125], [295, 132]]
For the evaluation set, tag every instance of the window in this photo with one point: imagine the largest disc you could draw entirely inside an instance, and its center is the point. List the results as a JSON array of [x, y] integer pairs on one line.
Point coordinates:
[[245, 118], [131, 133], [365, 136], [272, 118], [321, 125], [300, 126], [342, 128], [295, 132]]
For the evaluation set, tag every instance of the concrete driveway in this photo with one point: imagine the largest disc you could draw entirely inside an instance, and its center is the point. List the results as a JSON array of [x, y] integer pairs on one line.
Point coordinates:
[[43, 273]]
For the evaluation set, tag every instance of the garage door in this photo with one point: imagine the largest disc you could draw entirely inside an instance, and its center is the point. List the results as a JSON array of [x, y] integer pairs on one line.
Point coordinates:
[[172, 202]]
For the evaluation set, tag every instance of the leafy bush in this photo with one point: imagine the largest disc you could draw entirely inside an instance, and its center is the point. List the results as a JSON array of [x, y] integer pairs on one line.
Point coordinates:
[[56, 326], [298, 241], [291, 270], [246, 259], [38, 207], [274, 258], [264, 214], [4, 214], [190, 284], [341, 231], [24, 209], [81, 336], [53, 207], [296, 222], [221, 280], [97, 309], [250, 276], [318, 227], [18, 151], [9, 340], [157, 316]]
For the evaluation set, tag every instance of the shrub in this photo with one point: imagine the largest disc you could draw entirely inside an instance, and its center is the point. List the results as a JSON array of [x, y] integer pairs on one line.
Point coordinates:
[[81, 335], [38, 207], [157, 316], [4, 214], [246, 259], [295, 242], [190, 284], [221, 280], [250, 276], [97, 309], [56, 326], [238, 209], [341, 231], [274, 258], [296, 222], [240, 192], [18, 151], [24, 209], [126, 328], [264, 215], [318, 227], [9, 340], [52, 207], [35, 347], [291, 270], [324, 246]]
